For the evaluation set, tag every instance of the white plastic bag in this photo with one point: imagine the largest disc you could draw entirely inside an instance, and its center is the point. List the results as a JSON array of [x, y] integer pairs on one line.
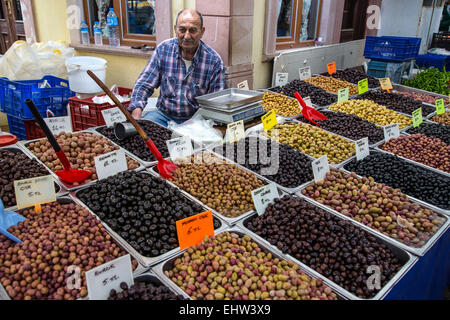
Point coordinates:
[[24, 61]]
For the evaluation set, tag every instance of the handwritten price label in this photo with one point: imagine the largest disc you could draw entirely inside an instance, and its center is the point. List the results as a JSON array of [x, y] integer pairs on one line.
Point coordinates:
[[269, 120], [391, 131], [362, 148], [112, 116], [363, 86], [281, 79], [180, 147], [331, 67], [263, 196], [243, 85], [235, 131], [440, 106], [417, 117], [33, 191], [342, 95], [110, 164], [102, 279], [320, 168], [59, 124], [385, 84], [304, 73], [192, 230]]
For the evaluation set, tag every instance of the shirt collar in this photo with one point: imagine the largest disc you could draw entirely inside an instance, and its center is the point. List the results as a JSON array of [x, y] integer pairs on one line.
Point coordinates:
[[197, 53]]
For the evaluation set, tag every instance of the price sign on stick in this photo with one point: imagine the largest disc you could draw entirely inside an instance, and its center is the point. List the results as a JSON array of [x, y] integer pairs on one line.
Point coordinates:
[[243, 85], [308, 102], [263, 196], [342, 95], [385, 84], [235, 131], [110, 163], [362, 148], [34, 192], [102, 279], [304, 73], [320, 168], [113, 115], [331, 67], [391, 131], [281, 79], [363, 86], [59, 124], [180, 147], [440, 106], [192, 230], [269, 120], [417, 117]]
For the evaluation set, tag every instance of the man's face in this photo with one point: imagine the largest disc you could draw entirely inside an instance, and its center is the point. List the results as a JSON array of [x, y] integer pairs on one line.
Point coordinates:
[[188, 31]]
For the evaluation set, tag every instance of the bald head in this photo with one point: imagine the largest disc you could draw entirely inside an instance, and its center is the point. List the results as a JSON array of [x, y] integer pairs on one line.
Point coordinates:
[[190, 13]]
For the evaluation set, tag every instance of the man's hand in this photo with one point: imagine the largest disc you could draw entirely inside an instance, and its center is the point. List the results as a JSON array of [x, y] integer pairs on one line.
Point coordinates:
[[136, 113]]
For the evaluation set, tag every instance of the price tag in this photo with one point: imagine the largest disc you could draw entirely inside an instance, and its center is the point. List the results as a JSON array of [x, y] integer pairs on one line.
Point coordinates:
[[243, 85], [269, 120], [192, 230], [385, 84], [110, 163], [305, 73], [180, 147], [363, 86], [391, 131], [331, 67], [263, 196], [281, 79], [34, 191], [440, 106], [102, 279], [320, 168], [342, 95], [308, 102], [417, 117], [113, 115], [235, 131], [59, 124], [362, 148]]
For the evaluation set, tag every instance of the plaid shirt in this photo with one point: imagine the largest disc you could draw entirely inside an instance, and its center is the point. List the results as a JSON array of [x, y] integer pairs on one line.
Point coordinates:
[[179, 86]]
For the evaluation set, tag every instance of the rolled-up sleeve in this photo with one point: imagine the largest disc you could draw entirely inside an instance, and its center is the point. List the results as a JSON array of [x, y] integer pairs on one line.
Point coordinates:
[[147, 82], [217, 81]]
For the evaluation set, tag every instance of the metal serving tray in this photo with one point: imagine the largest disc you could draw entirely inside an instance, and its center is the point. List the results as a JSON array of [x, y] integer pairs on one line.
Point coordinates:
[[417, 251], [145, 261], [403, 88], [228, 220], [59, 190], [260, 176], [65, 200], [316, 106], [434, 113], [167, 265], [24, 144], [334, 165], [406, 259], [229, 98], [415, 162]]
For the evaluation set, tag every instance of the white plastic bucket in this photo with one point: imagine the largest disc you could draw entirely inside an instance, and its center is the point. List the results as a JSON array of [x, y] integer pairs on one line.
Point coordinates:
[[79, 80]]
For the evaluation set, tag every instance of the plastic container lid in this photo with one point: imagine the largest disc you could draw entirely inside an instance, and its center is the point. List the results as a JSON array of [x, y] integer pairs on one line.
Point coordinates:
[[7, 139]]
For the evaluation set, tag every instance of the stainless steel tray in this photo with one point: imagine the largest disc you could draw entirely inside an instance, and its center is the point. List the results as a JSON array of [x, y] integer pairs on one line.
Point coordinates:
[[24, 144], [229, 221], [145, 261], [403, 88], [167, 265], [417, 251], [406, 259], [59, 190], [229, 98], [316, 106], [434, 113], [65, 200], [415, 162], [260, 176]]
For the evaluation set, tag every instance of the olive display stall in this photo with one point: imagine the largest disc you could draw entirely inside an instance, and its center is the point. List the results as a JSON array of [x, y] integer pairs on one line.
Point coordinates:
[[386, 214]]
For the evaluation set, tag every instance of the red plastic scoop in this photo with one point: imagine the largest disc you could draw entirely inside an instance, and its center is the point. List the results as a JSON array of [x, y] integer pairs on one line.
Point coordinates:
[[165, 167], [309, 113], [68, 174]]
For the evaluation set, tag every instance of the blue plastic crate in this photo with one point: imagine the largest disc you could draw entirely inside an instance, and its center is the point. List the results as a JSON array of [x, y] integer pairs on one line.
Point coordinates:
[[17, 127], [394, 49], [433, 61], [14, 93]]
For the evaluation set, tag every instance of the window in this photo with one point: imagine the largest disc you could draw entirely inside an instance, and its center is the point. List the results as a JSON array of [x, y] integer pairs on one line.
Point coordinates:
[[297, 23], [136, 19]]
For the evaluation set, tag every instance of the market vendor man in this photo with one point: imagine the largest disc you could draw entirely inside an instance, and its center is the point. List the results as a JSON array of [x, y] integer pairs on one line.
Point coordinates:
[[184, 67]]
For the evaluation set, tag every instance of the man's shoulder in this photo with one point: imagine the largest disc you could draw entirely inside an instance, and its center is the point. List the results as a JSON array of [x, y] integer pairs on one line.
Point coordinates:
[[168, 44], [211, 53]]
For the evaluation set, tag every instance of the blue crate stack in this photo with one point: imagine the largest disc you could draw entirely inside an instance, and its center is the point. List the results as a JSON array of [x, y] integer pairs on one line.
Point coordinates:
[[433, 61]]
